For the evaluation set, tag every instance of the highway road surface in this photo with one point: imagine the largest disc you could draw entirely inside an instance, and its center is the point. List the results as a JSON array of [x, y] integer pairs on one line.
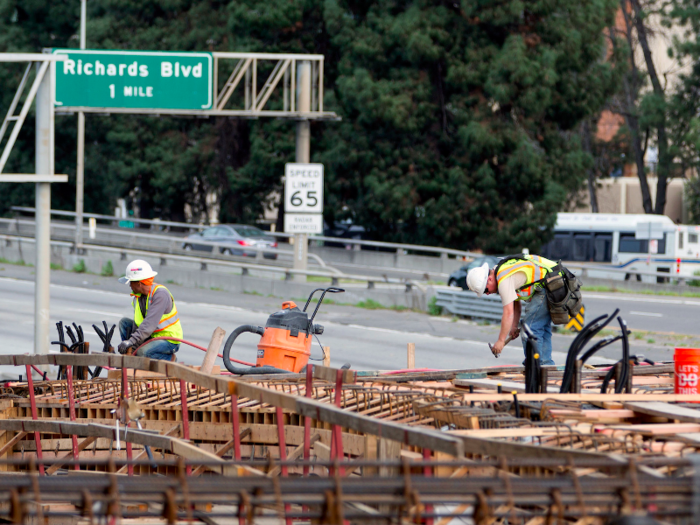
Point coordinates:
[[367, 339]]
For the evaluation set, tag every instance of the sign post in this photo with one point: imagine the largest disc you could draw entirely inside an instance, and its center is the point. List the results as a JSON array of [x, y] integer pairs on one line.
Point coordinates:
[[303, 156]]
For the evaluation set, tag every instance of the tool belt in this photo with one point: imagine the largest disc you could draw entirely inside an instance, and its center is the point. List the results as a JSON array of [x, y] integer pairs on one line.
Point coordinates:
[[563, 290]]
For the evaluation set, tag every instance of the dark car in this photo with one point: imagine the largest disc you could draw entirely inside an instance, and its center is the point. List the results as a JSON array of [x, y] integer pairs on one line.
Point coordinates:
[[344, 230], [459, 277], [234, 238]]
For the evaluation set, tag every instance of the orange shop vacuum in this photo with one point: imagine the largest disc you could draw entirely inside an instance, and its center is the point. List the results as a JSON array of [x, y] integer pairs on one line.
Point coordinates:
[[285, 345]]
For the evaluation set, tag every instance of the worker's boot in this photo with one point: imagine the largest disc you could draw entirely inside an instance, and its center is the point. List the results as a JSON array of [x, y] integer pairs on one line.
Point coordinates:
[[173, 359]]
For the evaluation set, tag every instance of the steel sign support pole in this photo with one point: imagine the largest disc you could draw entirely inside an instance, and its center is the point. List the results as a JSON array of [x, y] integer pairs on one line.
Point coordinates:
[[303, 155], [44, 166], [80, 168]]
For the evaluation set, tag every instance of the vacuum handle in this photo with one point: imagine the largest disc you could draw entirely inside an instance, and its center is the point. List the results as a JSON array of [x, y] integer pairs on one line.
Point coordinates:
[[330, 289]]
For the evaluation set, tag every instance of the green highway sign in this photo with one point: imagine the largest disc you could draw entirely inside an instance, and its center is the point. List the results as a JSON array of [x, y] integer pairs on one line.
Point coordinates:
[[134, 79]]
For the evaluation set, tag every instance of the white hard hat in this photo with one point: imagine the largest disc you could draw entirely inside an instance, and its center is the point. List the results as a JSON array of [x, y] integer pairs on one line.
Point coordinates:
[[477, 279], [137, 270]]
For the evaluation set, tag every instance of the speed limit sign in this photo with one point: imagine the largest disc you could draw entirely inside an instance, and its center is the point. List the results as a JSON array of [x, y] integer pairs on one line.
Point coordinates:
[[303, 188]]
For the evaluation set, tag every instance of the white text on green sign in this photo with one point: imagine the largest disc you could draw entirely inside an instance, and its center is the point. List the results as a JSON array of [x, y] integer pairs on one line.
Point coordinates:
[[134, 79]]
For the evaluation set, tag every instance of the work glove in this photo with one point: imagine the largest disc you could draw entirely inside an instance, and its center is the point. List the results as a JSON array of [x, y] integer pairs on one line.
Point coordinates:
[[124, 347]]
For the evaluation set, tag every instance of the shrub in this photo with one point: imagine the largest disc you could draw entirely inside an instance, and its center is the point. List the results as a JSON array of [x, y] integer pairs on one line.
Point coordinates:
[[80, 266], [107, 269], [695, 282], [433, 308]]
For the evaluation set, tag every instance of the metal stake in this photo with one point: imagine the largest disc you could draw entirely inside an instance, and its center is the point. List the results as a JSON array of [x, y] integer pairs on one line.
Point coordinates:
[[71, 412], [35, 416], [185, 416], [236, 428]]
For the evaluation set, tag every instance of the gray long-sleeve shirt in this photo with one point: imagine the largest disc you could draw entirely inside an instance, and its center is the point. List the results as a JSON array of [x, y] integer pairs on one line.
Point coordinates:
[[160, 304]]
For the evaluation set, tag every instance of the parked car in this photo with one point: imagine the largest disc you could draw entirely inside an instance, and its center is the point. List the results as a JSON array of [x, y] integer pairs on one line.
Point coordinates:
[[234, 238], [459, 277]]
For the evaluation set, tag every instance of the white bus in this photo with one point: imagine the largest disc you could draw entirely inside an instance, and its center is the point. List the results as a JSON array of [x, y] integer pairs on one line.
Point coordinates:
[[608, 239]]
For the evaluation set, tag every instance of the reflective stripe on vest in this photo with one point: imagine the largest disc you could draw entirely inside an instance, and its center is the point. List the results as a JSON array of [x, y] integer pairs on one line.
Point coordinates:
[[534, 267], [169, 324]]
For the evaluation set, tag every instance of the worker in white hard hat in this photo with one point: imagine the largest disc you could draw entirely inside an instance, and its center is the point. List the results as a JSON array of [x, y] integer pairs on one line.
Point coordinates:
[[516, 279], [155, 323]]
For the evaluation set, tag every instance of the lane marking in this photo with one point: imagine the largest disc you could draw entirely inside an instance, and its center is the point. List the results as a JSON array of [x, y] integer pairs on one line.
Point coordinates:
[[648, 314], [637, 299], [108, 314]]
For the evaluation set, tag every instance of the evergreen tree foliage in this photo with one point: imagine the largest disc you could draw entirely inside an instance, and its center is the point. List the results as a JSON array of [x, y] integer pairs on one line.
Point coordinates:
[[459, 119]]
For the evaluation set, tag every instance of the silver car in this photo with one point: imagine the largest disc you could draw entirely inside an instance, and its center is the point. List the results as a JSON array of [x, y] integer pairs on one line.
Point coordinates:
[[233, 240]]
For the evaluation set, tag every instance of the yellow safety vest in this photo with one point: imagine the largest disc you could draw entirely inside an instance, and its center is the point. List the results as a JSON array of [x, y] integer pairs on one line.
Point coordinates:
[[169, 325], [534, 267]]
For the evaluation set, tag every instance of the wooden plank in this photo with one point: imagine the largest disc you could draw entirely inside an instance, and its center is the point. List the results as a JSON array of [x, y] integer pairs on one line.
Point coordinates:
[[507, 386], [498, 448], [688, 415], [212, 350], [508, 432], [327, 373], [658, 429], [10, 444], [691, 437], [586, 398]]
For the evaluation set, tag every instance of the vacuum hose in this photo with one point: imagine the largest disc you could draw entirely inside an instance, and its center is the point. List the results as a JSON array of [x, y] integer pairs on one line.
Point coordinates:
[[253, 369]]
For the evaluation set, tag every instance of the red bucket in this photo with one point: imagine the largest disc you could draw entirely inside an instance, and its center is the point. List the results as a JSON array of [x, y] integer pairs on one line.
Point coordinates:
[[687, 361]]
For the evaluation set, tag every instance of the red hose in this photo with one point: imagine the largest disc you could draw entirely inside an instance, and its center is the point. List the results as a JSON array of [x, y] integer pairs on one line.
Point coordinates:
[[188, 343], [410, 370]]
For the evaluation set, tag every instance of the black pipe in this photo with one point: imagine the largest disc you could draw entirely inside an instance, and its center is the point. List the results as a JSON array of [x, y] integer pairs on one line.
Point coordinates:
[[601, 344], [532, 363], [625, 372], [253, 370], [589, 331]]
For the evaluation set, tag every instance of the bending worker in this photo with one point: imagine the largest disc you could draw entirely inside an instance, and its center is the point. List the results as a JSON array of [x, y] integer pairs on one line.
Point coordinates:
[[513, 280], [155, 315]]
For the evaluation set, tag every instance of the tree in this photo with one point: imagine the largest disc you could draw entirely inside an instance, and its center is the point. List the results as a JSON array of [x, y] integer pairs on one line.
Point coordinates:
[[459, 121], [645, 111]]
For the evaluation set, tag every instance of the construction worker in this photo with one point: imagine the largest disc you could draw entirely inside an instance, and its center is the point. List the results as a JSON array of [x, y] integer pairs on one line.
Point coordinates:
[[155, 316], [513, 280]]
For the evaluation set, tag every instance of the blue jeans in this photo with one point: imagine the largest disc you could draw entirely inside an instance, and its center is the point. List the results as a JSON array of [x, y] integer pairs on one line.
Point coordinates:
[[540, 322], [155, 349]]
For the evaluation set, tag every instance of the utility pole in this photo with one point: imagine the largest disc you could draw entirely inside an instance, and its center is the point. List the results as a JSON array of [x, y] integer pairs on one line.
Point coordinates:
[[44, 161], [303, 155], [80, 169]]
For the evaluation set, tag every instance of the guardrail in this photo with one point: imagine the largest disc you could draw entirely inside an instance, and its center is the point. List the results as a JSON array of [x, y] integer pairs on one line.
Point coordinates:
[[466, 303], [175, 242], [219, 261], [398, 247]]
